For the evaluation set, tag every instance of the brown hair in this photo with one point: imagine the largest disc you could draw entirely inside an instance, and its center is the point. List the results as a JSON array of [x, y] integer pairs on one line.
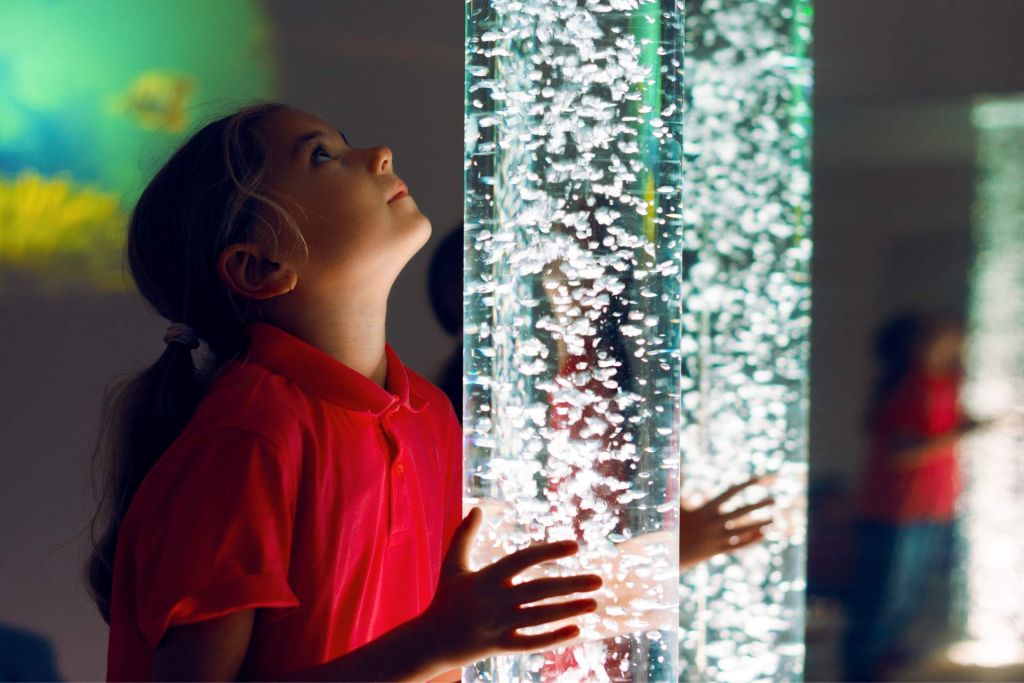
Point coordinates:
[[207, 196]]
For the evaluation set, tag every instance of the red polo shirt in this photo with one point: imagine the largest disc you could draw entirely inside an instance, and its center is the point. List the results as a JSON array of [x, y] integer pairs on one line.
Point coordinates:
[[299, 487], [921, 407]]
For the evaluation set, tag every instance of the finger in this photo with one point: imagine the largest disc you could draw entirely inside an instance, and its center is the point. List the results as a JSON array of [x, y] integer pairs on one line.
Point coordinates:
[[744, 529], [542, 641], [457, 557], [731, 492], [746, 510], [736, 542], [532, 591], [545, 614], [510, 565]]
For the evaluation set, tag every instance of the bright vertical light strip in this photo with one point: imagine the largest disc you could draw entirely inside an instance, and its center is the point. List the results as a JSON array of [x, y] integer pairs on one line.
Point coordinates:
[[746, 325], [573, 226], [992, 507]]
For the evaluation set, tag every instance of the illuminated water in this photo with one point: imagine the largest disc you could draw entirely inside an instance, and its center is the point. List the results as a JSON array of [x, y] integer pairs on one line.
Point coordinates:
[[746, 325], [991, 511], [583, 383], [572, 305]]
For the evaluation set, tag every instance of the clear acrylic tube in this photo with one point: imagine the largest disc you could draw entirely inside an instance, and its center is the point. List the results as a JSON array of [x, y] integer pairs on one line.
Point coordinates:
[[991, 512], [573, 225], [746, 323]]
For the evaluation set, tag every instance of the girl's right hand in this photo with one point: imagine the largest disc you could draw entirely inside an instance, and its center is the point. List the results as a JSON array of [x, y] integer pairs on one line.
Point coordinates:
[[475, 614]]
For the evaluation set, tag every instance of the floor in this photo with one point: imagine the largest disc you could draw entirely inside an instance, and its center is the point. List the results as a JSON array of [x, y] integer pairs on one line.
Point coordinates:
[[825, 624]]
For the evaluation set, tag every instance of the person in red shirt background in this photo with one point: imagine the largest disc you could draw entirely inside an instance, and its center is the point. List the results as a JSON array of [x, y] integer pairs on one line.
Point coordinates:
[[291, 509], [907, 502]]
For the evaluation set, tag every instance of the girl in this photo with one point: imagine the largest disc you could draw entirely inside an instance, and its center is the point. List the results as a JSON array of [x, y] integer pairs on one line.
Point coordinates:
[[911, 482], [291, 509]]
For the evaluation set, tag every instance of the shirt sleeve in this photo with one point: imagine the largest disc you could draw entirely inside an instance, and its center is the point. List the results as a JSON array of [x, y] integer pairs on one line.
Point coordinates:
[[220, 541], [453, 477]]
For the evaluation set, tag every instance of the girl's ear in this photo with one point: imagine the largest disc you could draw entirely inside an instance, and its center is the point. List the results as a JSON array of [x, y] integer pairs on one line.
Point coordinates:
[[246, 270]]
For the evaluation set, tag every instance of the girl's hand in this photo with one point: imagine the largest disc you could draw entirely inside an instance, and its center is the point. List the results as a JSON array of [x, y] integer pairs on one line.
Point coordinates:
[[475, 615], [1011, 419], [707, 531]]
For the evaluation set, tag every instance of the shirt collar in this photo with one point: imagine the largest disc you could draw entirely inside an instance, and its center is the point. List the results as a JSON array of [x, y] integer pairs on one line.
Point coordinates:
[[322, 375]]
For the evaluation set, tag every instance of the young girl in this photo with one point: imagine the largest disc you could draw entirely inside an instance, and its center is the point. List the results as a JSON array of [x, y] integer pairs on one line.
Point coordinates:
[[292, 508], [910, 485]]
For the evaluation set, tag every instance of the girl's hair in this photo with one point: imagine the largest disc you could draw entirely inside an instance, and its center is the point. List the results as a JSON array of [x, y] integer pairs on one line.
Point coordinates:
[[897, 345], [208, 195]]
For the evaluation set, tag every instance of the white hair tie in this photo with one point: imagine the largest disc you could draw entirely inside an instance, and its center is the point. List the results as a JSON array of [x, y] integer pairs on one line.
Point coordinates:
[[180, 333]]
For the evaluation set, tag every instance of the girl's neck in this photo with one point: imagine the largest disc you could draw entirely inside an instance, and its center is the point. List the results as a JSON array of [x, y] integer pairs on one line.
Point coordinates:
[[935, 372], [354, 335]]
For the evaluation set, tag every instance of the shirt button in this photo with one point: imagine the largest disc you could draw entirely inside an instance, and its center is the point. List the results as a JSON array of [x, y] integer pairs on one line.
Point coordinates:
[[399, 470]]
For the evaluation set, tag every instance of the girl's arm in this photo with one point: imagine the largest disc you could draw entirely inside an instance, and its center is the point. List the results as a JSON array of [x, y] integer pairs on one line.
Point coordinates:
[[704, 532], [210, 650], [474, 615], [409, 652], [913, 452], [213, 650]]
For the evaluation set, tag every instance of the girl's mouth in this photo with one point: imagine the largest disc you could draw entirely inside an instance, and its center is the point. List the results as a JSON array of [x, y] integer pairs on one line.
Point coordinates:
[[400, 191]]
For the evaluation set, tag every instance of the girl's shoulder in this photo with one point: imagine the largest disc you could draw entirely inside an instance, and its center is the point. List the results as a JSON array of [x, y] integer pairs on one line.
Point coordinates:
[[248, 396], [247, 422]]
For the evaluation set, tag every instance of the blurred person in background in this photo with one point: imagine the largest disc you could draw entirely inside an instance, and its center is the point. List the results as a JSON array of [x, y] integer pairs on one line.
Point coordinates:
[[911, 482]]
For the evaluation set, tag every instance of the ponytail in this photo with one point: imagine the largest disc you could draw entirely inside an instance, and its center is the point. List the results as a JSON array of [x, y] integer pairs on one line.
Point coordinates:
[[141, 418]]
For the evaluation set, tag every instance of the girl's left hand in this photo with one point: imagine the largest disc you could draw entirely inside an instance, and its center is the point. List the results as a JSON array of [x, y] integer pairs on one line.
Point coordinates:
[[706, 531]]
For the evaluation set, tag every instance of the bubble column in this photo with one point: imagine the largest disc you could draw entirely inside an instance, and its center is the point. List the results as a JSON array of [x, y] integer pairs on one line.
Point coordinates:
[[746, 323], [992, 461], [573, 228]]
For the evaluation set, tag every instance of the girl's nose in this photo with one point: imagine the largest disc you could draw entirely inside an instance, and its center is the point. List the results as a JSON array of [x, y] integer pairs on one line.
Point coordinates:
[[380, 159]]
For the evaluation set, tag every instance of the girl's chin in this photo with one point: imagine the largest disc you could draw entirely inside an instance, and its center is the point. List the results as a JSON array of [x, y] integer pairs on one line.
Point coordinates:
[[422, 225], [410, 235]]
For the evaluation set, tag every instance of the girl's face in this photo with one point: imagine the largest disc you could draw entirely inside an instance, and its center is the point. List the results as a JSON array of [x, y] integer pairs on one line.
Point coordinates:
[[360, 224], [942, 353]]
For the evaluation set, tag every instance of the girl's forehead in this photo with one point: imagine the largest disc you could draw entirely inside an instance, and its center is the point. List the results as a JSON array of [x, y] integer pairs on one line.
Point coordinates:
[[288, 124]]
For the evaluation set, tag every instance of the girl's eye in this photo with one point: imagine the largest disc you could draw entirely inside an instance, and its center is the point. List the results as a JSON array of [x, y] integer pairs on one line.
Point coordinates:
[[319, 152]]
